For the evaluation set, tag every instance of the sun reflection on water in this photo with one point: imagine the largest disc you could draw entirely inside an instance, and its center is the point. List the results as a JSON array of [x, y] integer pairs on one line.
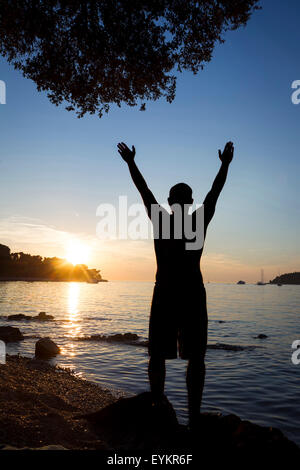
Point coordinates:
[[73, 297], [73, 324]]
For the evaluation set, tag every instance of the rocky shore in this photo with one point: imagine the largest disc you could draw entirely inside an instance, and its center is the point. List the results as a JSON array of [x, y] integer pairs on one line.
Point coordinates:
[[42, 405], [38, 403]]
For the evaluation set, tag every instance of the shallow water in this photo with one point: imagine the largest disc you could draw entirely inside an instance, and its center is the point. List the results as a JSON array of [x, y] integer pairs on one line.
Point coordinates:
[[259, 384]]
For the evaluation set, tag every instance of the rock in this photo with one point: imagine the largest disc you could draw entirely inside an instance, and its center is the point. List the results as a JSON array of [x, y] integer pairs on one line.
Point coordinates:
[[126, 338], [123, 337], [46, 348], [42, 316], [230, 347], [9, 334], [134, 423], [18, 317], [261, 336]]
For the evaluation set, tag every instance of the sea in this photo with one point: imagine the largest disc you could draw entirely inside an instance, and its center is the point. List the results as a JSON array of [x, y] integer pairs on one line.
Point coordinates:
[[248, 376]]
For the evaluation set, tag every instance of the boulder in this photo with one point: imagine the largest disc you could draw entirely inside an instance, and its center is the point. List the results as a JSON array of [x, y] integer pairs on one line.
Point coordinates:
[[18, 317], [46, 348], [123, 337], [126, 338], [9, 334], [136, 424], [42, 316]]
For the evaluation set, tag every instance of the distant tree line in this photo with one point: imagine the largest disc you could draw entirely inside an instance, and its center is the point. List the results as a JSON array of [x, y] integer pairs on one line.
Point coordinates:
[[22, 265], [289, 278]]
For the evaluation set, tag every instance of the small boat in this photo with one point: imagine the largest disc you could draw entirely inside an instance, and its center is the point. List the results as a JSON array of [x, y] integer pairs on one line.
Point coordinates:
[[241, 282]]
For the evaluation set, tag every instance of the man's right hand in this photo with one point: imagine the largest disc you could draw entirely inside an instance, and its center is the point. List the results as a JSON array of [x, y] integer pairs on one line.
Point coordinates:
[[127, 154]]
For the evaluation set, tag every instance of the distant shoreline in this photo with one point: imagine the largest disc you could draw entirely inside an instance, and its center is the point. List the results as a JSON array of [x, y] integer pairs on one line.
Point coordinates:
[[38, 279], [35, 268]]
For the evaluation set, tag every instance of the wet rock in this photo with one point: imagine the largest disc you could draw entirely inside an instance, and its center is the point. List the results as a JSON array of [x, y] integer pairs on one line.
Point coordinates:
[[18, 317], [9, 334], [136, 424], [123, 337], [46, 348], [230, 347], [126, 338], [42, 316]]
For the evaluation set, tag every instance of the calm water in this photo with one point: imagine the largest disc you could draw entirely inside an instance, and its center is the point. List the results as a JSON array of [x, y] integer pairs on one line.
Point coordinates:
[[260, 384]]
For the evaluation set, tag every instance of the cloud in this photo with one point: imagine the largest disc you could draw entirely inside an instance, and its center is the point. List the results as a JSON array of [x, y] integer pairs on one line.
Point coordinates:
[[130, 259], [23, 231]]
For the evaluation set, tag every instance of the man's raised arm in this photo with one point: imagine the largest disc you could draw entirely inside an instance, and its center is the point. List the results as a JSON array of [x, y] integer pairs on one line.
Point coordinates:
[[211, 199], [138, 179]]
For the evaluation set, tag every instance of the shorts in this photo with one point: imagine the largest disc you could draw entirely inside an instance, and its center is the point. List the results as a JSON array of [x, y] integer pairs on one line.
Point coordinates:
[[178, 321]]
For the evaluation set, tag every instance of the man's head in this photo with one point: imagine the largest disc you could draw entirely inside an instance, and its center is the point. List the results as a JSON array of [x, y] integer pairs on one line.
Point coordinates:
[[180, 194]]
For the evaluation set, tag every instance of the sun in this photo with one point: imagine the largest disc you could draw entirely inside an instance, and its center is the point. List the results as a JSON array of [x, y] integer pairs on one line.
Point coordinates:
[[77, 252]]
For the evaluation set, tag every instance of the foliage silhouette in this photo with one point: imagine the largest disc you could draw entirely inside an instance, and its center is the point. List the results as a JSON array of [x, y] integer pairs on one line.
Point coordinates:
[[288, 278], [92, 54]]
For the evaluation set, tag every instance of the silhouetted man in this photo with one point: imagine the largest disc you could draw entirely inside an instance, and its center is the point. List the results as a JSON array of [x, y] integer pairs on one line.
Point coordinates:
[[178, 312]]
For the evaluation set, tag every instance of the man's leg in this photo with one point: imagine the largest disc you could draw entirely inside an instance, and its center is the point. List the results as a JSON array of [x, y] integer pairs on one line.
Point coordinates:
[[195, 376], [194, 348], [157, 374]]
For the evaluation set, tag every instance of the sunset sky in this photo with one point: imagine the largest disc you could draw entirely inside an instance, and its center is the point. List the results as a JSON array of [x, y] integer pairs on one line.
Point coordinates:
[[56, 169]]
